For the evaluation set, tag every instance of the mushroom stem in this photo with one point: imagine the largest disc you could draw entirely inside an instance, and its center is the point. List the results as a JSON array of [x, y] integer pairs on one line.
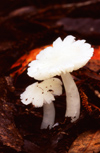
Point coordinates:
[[72, 97], [48, 115]]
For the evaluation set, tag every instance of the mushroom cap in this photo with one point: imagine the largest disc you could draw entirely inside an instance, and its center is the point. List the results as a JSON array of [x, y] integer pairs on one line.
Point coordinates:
[[40, 93], [64, 56]]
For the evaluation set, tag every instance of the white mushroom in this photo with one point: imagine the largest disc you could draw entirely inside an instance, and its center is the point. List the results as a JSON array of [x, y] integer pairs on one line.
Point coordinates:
[[42, 94], [64, 57]]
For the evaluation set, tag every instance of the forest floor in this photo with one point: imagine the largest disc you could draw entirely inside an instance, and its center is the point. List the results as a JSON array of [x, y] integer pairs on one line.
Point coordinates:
[[25, 26]]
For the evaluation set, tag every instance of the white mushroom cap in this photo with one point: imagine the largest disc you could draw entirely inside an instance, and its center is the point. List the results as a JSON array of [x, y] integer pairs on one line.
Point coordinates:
[[64, 56], [40, 93]]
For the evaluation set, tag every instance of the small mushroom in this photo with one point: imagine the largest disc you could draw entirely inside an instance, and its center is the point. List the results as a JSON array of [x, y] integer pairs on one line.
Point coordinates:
[[60, 59], [42, 94]]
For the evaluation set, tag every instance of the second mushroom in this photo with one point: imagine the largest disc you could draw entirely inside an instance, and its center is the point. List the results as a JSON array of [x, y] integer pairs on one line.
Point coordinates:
[[42, 94]]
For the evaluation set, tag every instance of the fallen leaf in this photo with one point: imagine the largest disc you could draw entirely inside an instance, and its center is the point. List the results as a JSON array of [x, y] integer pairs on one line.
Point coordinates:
[[9, 134], [90, 73], [87, 142], [94, 65], [96, 53]]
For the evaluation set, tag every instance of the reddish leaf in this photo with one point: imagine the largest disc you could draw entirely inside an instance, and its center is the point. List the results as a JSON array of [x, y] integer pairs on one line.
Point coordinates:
[[24, 60], [96, 53]]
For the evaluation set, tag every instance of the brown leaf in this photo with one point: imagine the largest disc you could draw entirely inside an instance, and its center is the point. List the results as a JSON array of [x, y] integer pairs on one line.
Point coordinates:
[[9, 134], [94, 65], [87, 142]]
